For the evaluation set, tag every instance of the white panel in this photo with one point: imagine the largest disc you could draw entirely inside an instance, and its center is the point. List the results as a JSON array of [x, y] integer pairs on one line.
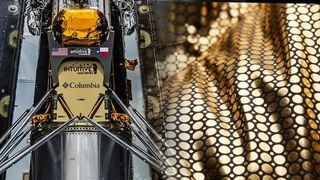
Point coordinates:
[[24, 94], [141, 170]]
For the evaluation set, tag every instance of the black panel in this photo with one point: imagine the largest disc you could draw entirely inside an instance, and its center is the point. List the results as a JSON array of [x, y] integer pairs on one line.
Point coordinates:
[[119, 73], [9, 56], [10, 30], [42, 69]]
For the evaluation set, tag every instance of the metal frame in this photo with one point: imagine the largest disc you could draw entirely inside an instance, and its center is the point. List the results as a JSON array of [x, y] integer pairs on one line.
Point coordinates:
[[137, 151], [29, 149], [141, 131], [156, 159], [12, 146], [28, 114]]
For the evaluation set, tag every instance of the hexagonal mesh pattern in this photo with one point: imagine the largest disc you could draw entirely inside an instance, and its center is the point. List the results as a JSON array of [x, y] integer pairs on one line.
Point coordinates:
[[248, 107]]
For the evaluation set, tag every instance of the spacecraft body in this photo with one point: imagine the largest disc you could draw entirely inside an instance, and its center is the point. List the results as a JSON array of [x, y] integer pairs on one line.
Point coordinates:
[[82, 123], [80, 55]]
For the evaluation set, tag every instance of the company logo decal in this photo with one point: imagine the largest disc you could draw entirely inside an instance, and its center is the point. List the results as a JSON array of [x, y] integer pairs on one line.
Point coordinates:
[[80, 85], [65, 85], [84, 68], [81, 51]]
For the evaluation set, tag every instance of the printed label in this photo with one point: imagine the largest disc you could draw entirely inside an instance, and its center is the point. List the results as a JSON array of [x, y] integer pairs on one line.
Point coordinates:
[[81, 85], [81, 68]]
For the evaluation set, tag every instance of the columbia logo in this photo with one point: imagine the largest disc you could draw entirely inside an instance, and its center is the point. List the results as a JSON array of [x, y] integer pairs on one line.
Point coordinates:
[[65, 85]]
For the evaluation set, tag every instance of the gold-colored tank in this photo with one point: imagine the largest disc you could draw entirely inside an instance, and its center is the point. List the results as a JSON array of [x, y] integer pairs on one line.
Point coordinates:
[[83, 27]]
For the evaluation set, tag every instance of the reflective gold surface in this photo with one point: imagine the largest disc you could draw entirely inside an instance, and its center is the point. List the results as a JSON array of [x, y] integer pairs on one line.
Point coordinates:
[[80, 27], [248, 107], [80, 86]]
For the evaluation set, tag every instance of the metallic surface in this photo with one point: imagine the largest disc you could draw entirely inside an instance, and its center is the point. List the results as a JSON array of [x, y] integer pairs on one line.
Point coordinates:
[[134, 149], [148, 142], [25, 85], [21, 123], [140, 169], [103, 6], [14, 145], [68, 156], [80, 27], [241, 96], [84, 160], [10, 30], [28, 149], [127, 15]]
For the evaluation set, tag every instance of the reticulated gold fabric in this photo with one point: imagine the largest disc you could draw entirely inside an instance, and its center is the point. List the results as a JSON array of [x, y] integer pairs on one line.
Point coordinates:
[[80, 27], [248, 108]]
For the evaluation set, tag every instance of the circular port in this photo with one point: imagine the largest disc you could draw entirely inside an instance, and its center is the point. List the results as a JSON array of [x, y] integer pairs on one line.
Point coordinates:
[[144, 9], [13, 38], [13, 8], [145, 39], [4, 106]]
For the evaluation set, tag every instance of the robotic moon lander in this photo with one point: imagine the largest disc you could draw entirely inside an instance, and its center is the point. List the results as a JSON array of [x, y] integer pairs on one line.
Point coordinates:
[[81, 125]]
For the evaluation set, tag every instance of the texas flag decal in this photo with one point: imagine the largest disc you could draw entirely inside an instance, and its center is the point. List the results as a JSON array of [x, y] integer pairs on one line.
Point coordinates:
[[104, 51]]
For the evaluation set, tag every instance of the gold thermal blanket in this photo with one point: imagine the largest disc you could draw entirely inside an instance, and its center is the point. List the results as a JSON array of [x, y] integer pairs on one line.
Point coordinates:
[[248, 108], [80, 27]]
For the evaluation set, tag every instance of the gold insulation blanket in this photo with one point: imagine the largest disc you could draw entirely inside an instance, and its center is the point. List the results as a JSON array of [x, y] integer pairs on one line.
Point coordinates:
[[248, 108], [80, 27]]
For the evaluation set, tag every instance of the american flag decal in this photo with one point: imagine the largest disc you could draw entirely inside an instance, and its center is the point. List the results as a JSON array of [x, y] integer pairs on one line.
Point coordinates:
[[59, 52]]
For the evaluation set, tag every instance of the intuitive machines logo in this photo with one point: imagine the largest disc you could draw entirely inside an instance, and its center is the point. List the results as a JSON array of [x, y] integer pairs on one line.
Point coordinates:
[[80, 85], [81, 51], [81, 68]]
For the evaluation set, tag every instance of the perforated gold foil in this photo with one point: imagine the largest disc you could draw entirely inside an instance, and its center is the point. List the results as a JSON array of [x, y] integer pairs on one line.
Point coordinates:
[[80, 27], [248, 107]]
